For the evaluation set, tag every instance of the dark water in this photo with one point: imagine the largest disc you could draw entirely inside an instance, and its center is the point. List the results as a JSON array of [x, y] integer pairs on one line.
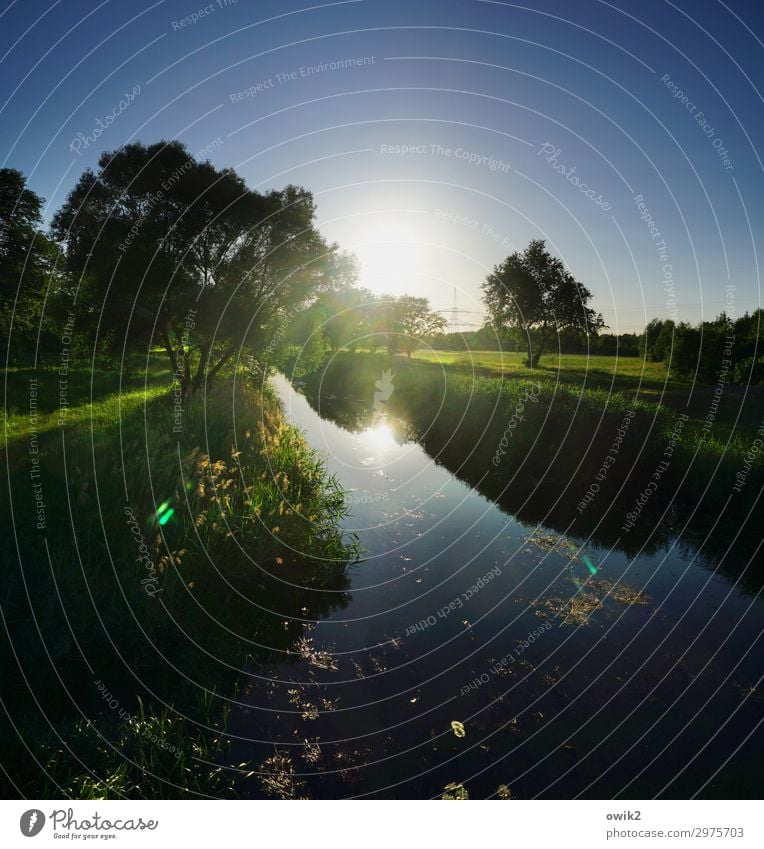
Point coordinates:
[[574, 670]]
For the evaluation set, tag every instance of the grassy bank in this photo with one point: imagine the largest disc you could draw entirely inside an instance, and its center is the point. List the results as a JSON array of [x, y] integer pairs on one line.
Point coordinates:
[[574, 366], [151, 555], [740, 412], [577, 456]]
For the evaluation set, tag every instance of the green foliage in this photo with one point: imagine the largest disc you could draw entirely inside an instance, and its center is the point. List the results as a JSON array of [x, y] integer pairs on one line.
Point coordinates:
[[487, 338], [171, 251], [28, 272], [409, 320], [344, 316], [657, 339], [533, 292], [355, 318], [154, 754], [725, 349], [749, 371]]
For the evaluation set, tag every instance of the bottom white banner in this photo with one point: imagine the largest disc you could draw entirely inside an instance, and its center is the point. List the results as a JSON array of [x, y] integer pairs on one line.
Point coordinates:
[[516, 824]]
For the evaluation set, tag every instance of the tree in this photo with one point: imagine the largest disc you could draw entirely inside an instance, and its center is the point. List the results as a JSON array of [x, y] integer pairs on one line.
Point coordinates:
[[686, 350], [344, 314], [533, 292], [376, 323], [171, 250], [707, 350], [657, 339], [28, 264], [409, 321]]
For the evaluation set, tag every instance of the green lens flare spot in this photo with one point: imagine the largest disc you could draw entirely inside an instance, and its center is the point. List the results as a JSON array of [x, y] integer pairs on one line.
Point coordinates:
[[590, 566], [163, 520]]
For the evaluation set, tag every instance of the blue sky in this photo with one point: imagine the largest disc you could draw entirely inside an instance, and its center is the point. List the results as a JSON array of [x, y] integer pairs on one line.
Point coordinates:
[[444, 134]]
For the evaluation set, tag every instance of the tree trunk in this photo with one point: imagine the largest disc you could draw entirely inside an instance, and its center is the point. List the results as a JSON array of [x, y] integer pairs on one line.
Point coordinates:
[[204, 353], [202, 375], [532, 360], [177, 372], [186, 372]]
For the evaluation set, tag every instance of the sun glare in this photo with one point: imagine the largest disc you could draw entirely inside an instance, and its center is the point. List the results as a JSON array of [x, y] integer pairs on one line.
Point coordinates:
[[379, 438], [390, 249]]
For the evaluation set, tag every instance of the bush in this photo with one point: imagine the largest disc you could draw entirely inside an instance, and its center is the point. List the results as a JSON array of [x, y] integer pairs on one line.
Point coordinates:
[[750, 372]]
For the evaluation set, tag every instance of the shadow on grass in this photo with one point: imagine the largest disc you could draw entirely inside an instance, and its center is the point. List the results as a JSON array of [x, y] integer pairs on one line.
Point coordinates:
[[159, 605]]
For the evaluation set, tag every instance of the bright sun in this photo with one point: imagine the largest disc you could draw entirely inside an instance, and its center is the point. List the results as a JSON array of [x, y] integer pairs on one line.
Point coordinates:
[[390, 250]]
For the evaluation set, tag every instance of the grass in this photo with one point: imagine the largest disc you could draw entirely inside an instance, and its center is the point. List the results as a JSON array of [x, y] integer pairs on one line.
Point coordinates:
[[79, 398], [161, 555], [512, 360], [597, 369], [154, 754], [633, 377]]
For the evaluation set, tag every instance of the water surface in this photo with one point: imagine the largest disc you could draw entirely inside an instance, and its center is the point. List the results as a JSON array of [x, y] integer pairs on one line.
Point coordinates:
[[574, 670]]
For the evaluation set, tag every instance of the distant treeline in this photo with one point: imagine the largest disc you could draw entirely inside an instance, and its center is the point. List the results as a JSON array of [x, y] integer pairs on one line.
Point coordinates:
[[488, 338], [724, 348]]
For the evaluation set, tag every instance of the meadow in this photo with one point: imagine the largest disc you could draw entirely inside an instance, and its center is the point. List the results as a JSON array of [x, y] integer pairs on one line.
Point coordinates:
[[739, 415], [571, 366]]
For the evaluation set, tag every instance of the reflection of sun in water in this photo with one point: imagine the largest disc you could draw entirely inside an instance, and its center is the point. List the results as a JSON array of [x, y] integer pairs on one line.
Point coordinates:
[[379, 438]]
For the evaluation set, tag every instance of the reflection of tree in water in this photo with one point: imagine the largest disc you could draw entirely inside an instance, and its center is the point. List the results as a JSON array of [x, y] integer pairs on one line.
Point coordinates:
[[353, 414], [535, 492]]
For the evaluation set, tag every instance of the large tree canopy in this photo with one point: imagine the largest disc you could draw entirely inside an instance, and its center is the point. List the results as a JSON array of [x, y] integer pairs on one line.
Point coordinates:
[[533, 292], [356, 317], [27, 267], [409, 321], [345, 316], [172, 251]]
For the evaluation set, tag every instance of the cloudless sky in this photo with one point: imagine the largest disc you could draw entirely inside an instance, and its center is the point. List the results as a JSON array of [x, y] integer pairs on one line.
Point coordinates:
[[481, 92]]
